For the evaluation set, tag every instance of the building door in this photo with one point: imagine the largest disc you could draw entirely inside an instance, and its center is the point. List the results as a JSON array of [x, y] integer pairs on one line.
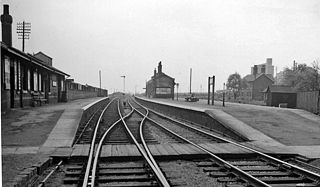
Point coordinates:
[[59, 89], [12, 85]]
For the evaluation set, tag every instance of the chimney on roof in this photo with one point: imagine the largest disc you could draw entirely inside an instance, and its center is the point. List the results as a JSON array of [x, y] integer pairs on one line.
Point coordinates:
[[160, 67], [154, 73], [6, 20], [269, 61]]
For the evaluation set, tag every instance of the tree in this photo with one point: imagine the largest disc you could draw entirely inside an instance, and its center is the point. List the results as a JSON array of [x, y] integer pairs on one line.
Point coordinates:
[[234, 84], [303, 77]]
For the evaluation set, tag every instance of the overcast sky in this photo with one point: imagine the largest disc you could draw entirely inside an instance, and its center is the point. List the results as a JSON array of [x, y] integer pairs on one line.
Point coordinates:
[[130, 37]]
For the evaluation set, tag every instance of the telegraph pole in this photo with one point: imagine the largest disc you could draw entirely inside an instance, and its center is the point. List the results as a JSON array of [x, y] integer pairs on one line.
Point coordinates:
[[100, 83], [23, 30], [190, 78], [124, 83]]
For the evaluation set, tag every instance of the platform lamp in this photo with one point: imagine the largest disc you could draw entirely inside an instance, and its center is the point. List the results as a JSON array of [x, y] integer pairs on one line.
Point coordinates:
[[177, 91]]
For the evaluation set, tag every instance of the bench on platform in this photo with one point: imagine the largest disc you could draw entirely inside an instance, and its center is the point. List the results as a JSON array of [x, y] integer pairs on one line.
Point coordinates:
[[38, 98]]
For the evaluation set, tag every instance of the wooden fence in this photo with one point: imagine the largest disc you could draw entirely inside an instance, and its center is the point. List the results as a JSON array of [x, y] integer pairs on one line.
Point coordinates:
[[309, 101]]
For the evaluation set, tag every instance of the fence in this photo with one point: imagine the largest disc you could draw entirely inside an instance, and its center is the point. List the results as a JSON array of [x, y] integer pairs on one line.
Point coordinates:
[[309, 101]]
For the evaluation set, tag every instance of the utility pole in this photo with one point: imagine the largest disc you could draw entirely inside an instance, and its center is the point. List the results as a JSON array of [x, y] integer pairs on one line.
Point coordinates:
[[100, 83], [190, 78], [213, 82], [23, 30], [124, 83]]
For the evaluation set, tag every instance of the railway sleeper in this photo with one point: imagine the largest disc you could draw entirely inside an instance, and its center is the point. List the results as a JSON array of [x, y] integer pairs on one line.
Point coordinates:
[[282, 180], [129, 184], [71, 180], [130, 171], [126, 178]]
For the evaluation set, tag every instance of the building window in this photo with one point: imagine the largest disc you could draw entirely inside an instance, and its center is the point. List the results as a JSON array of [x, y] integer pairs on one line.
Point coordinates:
[[15, 67], [25, 77], [7, 73], [29, 79], [163, 90], [35, 80], [62, 85], [19, 75], [40, 82]]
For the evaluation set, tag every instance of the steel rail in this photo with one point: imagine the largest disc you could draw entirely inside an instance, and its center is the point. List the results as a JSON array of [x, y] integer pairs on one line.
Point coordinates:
[[85, 127], [42, 183], [95, 162], [302, 171], [313, 175], [87, 173], [144, 142], [158, 174], [247, 177]]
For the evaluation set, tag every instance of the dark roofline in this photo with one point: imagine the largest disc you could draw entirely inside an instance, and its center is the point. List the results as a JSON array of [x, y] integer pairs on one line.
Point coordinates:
[[40, 63], [264, 75], [163, 74], [43, 54], [32, 59]]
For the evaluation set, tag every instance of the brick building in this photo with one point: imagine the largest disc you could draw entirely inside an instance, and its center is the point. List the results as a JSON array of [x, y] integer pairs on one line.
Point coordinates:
[[160, 85], [26, 78], [257, 84]]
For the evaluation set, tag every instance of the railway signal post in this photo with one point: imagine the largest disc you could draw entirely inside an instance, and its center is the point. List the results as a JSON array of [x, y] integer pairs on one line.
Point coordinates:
[[211, 81]]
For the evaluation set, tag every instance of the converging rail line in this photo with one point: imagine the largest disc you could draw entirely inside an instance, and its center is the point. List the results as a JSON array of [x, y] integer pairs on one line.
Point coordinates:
[[103, 167], [259, 169], [128, 141]]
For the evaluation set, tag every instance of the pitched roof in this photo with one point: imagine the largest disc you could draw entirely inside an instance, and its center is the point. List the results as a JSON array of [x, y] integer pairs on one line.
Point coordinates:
[[42, 54], [31, 58], [250, 78], [279, 89]]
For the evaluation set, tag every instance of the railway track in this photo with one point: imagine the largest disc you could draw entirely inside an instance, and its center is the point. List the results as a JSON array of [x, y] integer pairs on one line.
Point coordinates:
[[101, 172], [258, 170], [133, 125]]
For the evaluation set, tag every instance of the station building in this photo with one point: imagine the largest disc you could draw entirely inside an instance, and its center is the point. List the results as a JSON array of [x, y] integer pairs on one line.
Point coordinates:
[[160, 85], [24, 75], [25, 78]]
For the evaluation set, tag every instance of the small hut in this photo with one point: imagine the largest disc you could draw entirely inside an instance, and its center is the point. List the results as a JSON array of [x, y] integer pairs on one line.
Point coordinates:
[[275, 95]]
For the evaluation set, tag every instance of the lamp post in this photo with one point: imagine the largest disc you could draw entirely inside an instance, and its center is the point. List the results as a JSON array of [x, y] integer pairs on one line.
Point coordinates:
[[223, 94], [124, 83], [177, 91]]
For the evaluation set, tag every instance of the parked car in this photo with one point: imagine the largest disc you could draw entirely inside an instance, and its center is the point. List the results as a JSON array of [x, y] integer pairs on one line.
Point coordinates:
[[191, 98]]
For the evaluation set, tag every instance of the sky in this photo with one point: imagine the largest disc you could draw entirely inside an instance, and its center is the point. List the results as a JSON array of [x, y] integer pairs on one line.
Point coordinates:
[[126, 37]]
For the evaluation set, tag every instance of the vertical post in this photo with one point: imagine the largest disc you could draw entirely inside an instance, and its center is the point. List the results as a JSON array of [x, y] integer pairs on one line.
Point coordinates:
[[21, 85], [23, 36], [208, 90], [223, 94], [100, 83], [213, 80], [177, 91], [190, 78]]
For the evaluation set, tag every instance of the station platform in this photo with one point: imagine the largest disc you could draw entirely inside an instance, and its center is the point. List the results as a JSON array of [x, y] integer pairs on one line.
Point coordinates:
[[271, 129], [42, 129]]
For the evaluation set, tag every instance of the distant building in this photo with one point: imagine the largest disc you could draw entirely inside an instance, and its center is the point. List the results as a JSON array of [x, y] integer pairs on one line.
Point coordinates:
[[266, 68], [276, 94], [160, 85], [256, 84], [44, 58]]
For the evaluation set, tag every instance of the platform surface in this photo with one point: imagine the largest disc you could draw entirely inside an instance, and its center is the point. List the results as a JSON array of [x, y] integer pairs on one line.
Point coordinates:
[[41, 129], [271, 128]]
